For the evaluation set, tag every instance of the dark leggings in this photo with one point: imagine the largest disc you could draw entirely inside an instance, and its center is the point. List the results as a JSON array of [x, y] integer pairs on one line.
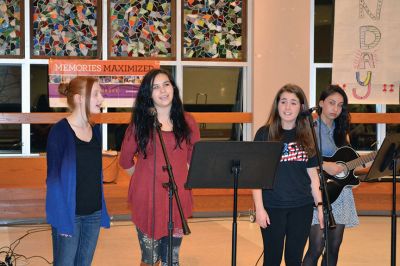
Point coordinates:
[[289, 227], [316, 245]]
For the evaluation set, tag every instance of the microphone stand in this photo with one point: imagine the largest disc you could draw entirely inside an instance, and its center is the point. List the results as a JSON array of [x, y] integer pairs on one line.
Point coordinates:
[[172, 191], [329, 220]]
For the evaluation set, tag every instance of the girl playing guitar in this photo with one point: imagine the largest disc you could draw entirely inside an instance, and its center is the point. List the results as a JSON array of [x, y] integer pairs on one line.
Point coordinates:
[[332, 128]]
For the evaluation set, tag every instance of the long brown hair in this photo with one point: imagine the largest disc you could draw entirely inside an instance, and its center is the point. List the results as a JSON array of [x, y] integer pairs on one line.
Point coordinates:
[[303, 130], [81, 86]]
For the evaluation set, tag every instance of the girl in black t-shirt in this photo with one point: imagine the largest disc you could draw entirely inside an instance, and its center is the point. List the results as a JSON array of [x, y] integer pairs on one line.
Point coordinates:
[[285, 212]]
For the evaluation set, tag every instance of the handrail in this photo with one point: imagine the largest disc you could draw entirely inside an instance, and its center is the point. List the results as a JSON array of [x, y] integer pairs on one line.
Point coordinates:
[[209, 117], [119, 118], [375, 118]]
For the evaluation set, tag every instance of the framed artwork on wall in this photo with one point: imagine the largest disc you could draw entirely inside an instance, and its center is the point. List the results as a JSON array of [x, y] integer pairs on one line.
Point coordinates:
[[11, 28], [141, 29], [61, 28], [214, 30]]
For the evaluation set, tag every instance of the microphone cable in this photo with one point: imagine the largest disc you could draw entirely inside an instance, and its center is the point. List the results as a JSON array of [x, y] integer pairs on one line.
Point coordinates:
[[259, 258], [11, 256]]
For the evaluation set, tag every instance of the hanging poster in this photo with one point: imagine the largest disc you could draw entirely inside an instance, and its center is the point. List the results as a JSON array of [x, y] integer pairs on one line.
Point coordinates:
[[366, 52], [119, 80]]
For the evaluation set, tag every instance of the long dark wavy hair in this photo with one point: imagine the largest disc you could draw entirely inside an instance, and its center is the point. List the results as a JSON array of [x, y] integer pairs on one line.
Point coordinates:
[[303, 130], [142, 121], [342, 122]]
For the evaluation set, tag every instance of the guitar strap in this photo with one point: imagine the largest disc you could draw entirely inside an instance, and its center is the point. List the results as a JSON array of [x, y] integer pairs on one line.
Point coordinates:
[[320, 134]]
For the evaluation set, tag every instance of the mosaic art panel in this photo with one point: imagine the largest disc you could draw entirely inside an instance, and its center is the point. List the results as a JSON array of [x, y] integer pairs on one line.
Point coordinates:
[[213, 29], [141, 28], [11, 32], [66, 28]]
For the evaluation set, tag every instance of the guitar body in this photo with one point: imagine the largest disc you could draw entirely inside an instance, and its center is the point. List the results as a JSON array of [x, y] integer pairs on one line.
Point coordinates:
[[335, 184]]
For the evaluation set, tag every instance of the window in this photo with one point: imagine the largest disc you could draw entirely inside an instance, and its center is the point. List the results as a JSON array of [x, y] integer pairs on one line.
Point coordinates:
[[392, 128], [323, 31], [10, 102], [39, 103], [214, 89]]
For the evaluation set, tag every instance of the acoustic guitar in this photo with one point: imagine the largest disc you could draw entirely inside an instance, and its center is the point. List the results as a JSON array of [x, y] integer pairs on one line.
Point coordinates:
[[349, 159]]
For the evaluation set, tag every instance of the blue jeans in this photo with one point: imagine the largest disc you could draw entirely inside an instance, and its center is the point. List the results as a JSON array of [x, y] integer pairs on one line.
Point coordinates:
[[77, 250]]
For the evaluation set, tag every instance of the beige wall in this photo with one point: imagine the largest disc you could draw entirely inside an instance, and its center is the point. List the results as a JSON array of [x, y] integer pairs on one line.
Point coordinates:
[[281, 52]]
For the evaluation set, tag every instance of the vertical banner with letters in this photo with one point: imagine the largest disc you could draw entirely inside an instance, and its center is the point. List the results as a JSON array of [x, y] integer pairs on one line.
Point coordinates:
[[119, 79], [366, 50]]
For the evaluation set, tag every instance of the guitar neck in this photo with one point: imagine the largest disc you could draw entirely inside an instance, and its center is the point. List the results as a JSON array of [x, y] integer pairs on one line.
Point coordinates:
[[361, 160]]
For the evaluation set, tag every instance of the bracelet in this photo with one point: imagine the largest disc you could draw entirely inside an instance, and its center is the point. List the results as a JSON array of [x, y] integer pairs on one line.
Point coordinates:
[[319, 204]]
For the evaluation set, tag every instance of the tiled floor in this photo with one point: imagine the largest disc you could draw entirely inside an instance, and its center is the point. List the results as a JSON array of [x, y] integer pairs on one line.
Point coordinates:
[[209, 243]]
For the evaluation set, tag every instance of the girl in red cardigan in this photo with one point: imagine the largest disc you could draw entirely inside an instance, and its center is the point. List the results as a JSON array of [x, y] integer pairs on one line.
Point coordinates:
[[147, 195]]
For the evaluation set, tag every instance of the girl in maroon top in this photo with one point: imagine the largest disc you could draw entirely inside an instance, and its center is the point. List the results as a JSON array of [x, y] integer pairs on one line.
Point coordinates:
[[142, 156]]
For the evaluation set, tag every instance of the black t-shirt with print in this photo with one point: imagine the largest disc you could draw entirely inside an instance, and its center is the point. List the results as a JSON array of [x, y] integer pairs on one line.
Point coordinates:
[[292, 186]]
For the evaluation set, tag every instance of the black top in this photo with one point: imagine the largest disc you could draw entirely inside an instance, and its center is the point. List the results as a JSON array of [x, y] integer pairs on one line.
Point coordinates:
[[292, 186], [88, 176]]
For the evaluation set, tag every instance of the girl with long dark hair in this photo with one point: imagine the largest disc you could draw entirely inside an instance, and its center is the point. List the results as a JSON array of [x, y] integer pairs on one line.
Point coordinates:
[[142, 156], [332, 130]]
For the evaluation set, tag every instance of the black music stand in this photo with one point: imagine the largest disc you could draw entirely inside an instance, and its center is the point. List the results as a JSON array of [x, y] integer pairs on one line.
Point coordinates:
[[385, 164], [217, 164]]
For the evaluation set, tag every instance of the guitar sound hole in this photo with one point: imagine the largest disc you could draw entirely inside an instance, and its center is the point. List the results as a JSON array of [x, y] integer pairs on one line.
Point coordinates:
[[343, 174]]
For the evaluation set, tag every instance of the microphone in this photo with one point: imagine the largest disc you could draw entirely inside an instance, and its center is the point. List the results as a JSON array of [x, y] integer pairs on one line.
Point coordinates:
[[309, 111], [152, 111]]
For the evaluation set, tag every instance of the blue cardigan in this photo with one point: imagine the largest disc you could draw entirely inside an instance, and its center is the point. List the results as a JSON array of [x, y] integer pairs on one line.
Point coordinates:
[[61, 178]]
